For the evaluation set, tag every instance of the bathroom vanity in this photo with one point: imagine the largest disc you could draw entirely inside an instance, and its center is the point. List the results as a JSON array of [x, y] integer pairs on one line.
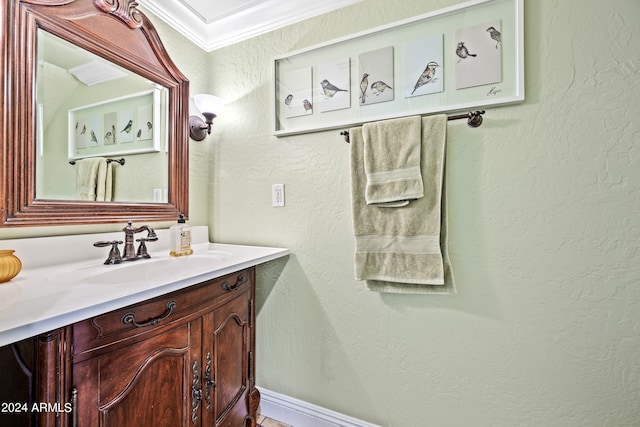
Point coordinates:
[[153, 342], [172, 345]]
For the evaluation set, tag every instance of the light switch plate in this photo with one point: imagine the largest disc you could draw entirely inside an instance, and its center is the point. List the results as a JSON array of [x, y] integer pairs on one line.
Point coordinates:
[[277, 195]]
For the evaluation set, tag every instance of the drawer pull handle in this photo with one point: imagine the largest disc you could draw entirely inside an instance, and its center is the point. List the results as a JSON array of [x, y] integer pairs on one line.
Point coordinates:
[[241, 281], [130, 318]]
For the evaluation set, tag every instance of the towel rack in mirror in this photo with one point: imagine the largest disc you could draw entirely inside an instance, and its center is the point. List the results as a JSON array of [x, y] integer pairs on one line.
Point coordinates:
[[474, 120], [121, 161]]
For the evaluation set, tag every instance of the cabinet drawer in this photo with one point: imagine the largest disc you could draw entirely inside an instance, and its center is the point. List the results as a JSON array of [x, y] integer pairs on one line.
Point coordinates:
[[146, 317]]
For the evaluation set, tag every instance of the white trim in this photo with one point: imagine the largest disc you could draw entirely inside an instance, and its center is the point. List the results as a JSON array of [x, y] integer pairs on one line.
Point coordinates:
[[298, 413], [262, 17]]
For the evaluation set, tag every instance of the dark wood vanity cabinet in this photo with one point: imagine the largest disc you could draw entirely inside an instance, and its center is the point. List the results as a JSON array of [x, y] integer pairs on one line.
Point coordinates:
[[182, 359]]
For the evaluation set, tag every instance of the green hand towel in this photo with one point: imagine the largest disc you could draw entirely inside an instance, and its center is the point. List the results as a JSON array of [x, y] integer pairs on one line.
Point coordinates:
[[88, 172], [392, 161]]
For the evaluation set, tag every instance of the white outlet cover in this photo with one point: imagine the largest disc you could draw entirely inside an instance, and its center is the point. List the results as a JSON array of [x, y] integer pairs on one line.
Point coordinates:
[[277, 195]]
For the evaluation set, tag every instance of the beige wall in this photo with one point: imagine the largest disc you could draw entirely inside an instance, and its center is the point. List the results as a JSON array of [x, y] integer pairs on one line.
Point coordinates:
[[544, 214]]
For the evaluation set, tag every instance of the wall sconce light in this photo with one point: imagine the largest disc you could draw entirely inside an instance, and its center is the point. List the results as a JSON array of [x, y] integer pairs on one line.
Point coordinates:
[[210, 106]]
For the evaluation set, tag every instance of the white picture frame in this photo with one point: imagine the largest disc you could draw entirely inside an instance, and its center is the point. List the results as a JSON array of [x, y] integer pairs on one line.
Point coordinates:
[[450, 97], [119, 126]]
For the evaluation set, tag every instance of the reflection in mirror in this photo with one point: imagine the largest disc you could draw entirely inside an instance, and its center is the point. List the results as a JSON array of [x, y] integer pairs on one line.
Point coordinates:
[[34, 157], [90, 110]]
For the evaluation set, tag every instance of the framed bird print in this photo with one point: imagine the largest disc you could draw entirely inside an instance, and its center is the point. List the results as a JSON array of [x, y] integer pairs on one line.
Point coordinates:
[[110, 125], [334, 81], [297, 97], [126, 125], [376, 76], [423, 66], [478, 55], [144, 116], [464, 57]]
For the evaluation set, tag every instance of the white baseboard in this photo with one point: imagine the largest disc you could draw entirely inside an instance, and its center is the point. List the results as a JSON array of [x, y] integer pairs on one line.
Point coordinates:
[[298, 413]]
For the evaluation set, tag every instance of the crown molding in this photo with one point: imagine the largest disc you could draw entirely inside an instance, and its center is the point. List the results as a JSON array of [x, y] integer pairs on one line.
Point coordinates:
[[260, 18]]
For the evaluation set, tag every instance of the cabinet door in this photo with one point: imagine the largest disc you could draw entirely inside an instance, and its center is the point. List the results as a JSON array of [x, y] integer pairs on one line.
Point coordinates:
[[155, 382], [34, 390], [226, 341], [18, 379]]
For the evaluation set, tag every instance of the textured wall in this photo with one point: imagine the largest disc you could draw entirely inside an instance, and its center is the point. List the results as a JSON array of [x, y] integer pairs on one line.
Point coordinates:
[[544, 214]]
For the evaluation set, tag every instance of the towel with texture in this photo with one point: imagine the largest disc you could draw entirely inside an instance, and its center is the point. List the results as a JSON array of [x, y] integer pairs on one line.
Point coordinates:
[[392, 161], [403, 250], [94, 179], [104, 186]]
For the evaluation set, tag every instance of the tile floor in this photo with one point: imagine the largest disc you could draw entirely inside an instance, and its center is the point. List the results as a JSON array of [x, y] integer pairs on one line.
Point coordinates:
[[268, 422]]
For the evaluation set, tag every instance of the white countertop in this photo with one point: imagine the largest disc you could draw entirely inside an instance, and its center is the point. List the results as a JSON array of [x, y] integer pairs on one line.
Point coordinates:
[[47, 296]]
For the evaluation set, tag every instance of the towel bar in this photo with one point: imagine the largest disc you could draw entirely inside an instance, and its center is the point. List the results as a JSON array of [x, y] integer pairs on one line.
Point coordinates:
[[474, 120], [121, 161]]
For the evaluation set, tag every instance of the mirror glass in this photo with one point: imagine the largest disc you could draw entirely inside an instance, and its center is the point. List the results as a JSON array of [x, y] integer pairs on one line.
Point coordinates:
[[96, 120]]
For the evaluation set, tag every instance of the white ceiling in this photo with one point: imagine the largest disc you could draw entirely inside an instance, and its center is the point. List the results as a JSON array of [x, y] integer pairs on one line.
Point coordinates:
[[212, 24]]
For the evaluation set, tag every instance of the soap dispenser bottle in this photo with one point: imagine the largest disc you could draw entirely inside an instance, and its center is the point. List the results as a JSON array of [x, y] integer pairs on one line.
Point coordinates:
[[180, 238]]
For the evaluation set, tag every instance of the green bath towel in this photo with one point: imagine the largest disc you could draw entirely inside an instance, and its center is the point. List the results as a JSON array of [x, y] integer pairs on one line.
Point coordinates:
[[403, 249]]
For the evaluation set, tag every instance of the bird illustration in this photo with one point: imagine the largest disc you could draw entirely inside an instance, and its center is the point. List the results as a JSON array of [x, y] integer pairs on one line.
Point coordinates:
[[495, 35], [108, 138], [139, 134], [84, 130], [113, 133], [307, 105], [330, 90], [288, 99], [149, 125], [364, 85], [463, 52], [92, 136], [378, 87], [127, 128], [427, 76]]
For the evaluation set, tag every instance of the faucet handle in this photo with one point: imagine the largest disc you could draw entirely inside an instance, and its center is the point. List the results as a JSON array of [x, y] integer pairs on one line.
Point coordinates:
[[142, 248], [114, 254]]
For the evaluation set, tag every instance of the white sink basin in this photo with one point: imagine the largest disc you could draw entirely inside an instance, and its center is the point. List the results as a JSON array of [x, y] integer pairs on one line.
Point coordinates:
[[151, 270]]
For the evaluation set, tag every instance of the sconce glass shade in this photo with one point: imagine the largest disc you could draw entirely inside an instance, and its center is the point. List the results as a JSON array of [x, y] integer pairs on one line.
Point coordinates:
[[209, 106], [206, 103]]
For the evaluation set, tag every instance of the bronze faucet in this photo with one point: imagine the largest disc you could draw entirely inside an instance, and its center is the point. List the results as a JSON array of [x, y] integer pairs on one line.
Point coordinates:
[[129, 253]]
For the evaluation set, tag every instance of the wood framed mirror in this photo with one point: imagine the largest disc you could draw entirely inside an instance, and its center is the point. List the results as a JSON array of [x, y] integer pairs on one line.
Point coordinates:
[[116, 32]]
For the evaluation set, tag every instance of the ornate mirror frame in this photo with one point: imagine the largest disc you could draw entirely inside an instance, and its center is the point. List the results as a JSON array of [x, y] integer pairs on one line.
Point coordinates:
[[114, 30]]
